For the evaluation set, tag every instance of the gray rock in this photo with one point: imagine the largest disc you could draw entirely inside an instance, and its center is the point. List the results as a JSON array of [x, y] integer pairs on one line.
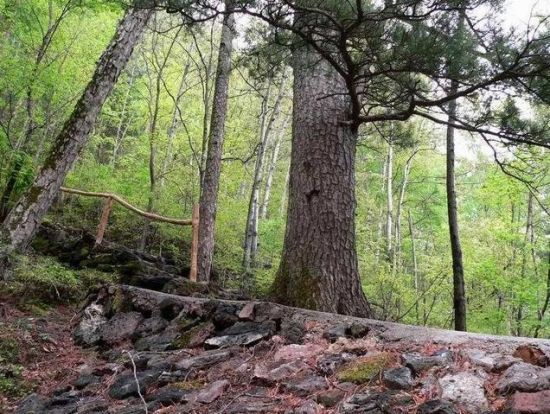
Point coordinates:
[[93, 406], [203, 360], [159, 342], [247, 339], [253, 405], [524, 377], [328, 365], [374, 402], [119, 327], [150, 326], [489, 362], [330, 398], [169, 396], [437, 407], [465, 389], [212, 392], [418, 363], [271, 375], [32, 403], [307, 407], [305, 386], [84, 380], [125, 385], [88, 330], [398, 378]]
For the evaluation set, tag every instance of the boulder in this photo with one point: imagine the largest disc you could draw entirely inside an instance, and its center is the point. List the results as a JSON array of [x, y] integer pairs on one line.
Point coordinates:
[[88, 331], [524, 377], [125, 385], [465, 389], [212, 392], [437, 407], [120, 327], [531, 403], [419, 363], [398, 378]]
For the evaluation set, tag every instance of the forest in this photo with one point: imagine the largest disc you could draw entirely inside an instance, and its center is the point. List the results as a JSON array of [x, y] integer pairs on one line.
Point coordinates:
[[385, 159]]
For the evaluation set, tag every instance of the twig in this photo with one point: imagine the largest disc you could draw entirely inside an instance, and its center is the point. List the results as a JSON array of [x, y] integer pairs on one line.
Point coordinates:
[[137, 382]]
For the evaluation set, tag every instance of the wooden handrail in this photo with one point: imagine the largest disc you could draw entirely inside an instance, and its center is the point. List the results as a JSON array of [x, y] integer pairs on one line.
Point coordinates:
[[110, 197], [124, 203]]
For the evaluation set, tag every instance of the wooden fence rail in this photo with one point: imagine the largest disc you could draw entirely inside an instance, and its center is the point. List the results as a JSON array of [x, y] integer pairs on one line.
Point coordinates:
[[110, 198]]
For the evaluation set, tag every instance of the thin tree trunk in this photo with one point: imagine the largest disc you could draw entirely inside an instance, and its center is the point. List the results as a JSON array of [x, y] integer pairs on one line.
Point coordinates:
[[319, 268], [415, 268], [211, 179], [542, 311], [121, 128], [271, 169], [459, 295], [398, 238], [21, 224], [251, 228], [389, 204]]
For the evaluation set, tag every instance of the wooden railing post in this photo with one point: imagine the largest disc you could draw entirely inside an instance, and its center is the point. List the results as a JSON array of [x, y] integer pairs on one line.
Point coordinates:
[[194, 244], [104, 220]]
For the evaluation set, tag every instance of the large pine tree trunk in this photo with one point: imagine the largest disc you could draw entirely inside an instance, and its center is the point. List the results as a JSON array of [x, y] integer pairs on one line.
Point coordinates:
[[459, 295], [319, 267], [23, 221], [211, 178]]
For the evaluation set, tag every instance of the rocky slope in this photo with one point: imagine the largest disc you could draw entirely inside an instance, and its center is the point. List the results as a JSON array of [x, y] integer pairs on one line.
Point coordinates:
[[163, 353]]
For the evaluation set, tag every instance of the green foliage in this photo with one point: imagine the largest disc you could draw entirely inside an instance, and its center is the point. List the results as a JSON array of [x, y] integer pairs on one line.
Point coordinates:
[[41, 281]]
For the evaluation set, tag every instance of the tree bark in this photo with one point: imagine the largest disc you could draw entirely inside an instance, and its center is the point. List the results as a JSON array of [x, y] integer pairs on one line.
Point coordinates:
[[21, 224], [389, 204], [319, 268], [210, 182], [459, 295]]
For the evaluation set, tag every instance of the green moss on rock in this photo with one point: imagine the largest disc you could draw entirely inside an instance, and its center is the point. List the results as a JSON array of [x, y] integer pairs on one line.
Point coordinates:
[[365, 369]]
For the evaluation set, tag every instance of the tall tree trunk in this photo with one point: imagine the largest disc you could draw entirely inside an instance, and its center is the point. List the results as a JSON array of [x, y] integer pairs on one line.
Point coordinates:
[[122, 127], [211, 179], [389, 204], [284, 197], [459, 294], [271, 169], [251, 228], [21, 224], [397, 262], [415, 268], [319, 268]]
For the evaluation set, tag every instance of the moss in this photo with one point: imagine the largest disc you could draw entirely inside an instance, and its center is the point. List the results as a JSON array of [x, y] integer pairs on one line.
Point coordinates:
[[365, 369], [9, 351], [188, 385]]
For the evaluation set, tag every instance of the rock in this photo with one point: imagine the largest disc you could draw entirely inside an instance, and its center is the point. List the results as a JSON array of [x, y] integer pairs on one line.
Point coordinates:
[[94, 406], [224, 316], [121, 326], [303, 387], [212, 392], [437, 407], [247, 312], [418, 363], [330, 398], [293, 331], [465, 389], [65, 398], [489, 362], [365, 369], [84, 380], [334, 332], [88, 330], [125, 385], [150, 326], [195, 336], [253, 405], [159, 342], [398, 378], [32, 403], [307, 407], [247, 339], [357, 330], [531, 403], [532, 355], [524, 377], [203, 360], [293, 352], [270, 376], [169, 396], [374, 402], [329, 365]]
